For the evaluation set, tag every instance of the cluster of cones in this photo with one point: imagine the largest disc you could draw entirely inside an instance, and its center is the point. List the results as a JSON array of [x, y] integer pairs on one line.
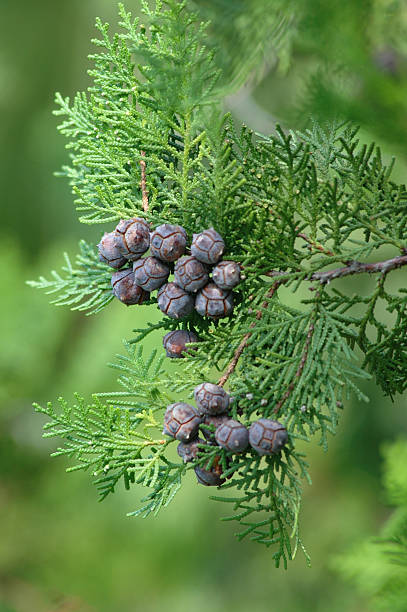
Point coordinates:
[[138, 274], [183, 422]]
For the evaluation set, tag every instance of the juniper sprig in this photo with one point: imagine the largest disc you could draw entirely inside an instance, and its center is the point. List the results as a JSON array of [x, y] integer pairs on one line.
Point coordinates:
[[298, 211]]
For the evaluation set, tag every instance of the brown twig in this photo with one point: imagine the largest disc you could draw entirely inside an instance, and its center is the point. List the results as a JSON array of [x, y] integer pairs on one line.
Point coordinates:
[[356, 267], [143, 183], [299, 371], [232, 365]]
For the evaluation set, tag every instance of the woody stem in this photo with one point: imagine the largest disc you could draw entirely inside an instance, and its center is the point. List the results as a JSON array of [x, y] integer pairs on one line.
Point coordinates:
[[143, 183]]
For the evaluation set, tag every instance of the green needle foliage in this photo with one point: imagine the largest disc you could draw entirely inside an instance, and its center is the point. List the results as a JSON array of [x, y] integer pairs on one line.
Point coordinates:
[[86, 287], [299, 211]]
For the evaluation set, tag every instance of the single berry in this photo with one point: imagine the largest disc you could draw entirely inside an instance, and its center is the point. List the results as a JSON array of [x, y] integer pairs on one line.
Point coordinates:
[[174, 301], [267, 437], [208, 246], [150, 273], [109, 253], [190, 274], [226, 274], [211, 399], [132, 238], [214, 302], [189, 451], [181, 421], [233, 436], [209, 478], [175, 343], [168, 242], [125, 288], [216, 421]]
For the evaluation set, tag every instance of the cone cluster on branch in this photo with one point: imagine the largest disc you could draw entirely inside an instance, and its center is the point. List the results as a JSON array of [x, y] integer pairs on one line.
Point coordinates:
[[138, 274], [183, 422]]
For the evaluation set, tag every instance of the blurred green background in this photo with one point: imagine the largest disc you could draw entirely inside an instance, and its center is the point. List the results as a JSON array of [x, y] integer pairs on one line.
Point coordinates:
[[61, 551]]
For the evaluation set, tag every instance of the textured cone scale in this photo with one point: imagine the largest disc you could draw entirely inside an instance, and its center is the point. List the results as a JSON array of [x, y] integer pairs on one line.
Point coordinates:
[[209, 478], [125, 288], [175, 343], [211, 399], [189, 451], [181, 421], [208, 246], [216, 421], [168, 242], [150, 273], [267, 437], [132, 238], [109, 253], [226, 274], [232, 436], [174, 301], [190, 274], [213, 302]]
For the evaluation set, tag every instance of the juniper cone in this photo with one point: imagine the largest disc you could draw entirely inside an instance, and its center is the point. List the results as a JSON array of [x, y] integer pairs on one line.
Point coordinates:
[[232, 436], [181, 421], [150, 273], [209, 478], [208, 246], [190, 274], [211, 399], [175, 343], [214, 302], [226, 274], [109, 253], [125, 288], [267, 437], [132, 237], [168, 242], [189, 451], [174, 301], [216, 421]]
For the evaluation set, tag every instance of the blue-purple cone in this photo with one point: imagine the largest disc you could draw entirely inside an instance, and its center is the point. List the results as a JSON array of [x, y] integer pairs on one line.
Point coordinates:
[[150, 273], [208, 246], [181, 421], [109, 253], [132, 238], [174, 301], [226, 274], [232, 436], [214, 302], [125, 288], [211, 399], [267, 437], [168, 242]]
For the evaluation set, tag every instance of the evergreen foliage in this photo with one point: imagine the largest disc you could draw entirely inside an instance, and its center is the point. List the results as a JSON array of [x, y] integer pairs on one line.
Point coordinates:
[[86, 287], [297, 210]]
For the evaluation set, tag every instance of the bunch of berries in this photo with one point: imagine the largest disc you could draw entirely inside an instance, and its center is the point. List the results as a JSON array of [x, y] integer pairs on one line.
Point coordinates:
[[137, 275], [182, 422]]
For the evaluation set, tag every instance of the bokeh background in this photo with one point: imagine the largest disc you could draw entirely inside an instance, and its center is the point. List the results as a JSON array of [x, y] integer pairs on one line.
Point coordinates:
[[60, 550]]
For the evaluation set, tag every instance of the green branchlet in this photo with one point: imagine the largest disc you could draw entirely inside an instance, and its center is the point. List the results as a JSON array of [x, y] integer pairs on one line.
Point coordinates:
[[291, 206]]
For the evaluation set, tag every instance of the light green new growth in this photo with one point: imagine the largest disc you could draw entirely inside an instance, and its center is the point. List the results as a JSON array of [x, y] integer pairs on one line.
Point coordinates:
[[297, 210], [84, 287]]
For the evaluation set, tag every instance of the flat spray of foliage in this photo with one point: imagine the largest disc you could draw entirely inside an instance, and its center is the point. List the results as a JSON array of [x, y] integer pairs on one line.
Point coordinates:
[[296, 209]]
